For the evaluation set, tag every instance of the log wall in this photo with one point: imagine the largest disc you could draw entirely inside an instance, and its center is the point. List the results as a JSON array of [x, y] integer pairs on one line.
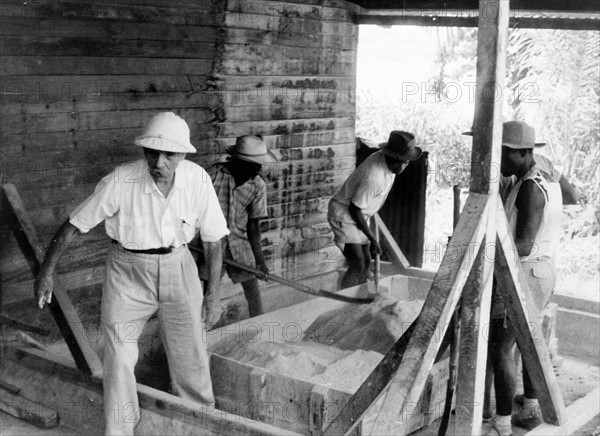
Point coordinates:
[[81, 78]]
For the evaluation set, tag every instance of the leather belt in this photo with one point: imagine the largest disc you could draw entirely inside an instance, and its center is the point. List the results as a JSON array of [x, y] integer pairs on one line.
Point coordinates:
[[161, 250]]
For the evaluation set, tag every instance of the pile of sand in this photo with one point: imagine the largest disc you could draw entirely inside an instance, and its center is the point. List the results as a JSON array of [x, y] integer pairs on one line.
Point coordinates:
[[340, 349], [376, 326]]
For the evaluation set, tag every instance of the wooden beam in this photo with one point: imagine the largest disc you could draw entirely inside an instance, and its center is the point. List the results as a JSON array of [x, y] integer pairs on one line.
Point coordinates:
[[577, 415], [475, 315], [485, 165], [61, 307], [400, 18], [372, 388], [406, 385], [28, 411], [512, 283], [390, 246]]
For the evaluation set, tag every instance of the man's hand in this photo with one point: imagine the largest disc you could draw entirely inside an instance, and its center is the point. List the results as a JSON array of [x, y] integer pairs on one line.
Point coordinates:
[[375, 249], [42, 288], [264, 269], [211, 312]]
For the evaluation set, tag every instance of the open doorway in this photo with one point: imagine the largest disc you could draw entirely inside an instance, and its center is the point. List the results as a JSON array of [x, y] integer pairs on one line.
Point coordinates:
[[422, 80]]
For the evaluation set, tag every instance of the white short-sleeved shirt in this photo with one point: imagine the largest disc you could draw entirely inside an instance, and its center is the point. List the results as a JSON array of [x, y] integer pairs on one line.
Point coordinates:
[[139, 216], [367, 187]]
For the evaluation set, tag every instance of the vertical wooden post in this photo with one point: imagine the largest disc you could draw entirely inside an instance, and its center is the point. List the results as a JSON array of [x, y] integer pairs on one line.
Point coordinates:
[[485, 173]]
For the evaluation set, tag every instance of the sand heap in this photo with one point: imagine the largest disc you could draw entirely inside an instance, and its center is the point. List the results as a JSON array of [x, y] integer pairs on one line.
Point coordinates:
[[376, 326], [340, 349]]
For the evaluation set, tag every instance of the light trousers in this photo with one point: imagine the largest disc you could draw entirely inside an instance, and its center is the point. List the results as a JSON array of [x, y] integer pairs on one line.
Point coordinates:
[[136, 286]]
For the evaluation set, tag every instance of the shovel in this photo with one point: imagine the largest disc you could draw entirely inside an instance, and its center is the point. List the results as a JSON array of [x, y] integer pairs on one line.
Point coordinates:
[[291, 284]]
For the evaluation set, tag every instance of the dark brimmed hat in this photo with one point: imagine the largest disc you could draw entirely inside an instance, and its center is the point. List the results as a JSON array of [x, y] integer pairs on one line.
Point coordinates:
[[401, 146], [251, 148]]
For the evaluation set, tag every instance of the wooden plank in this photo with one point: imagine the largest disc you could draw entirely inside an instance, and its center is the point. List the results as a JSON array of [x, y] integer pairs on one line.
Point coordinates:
[[61, 307], [42, 88], [283, 127], [290, 25], [48, 26], [287, 111], [28, 411], [204, 14], [20, 124], [487, 121], [436, 20], [266, 37], [20, 64], [390, 246], [512, 282], [485, 165], [473, 343], [298, 11], [81, 46], [278, 67], [7, 320], [576, 416], [254, 52], [406, 384]]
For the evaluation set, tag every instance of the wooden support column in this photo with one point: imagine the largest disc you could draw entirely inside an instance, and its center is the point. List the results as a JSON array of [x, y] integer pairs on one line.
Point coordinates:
[[512, 282], [485, 173], [61, 307]]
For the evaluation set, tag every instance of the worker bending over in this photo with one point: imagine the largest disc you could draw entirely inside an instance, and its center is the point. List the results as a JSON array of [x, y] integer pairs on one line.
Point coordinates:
[[361, 197]]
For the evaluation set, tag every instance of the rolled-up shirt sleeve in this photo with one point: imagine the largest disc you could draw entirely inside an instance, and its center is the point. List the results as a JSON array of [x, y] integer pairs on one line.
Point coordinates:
[[258, 207], [103, 203], [211, 221]]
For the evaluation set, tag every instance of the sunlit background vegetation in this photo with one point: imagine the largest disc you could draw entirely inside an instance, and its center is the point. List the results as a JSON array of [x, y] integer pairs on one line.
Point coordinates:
[[423, 80]]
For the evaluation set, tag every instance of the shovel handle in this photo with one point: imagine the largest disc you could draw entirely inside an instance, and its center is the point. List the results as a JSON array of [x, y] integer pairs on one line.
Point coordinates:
[[291, 284]]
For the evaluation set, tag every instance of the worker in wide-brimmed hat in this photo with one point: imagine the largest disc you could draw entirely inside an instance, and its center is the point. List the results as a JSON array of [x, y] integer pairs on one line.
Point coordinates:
[[152, 208], [361, 196], [242, 194], [533, 207]]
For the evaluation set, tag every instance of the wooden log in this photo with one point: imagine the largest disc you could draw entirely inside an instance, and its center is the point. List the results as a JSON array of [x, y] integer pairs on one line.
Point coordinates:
[[406, 385], [28, 411], [512, 283], [61, 307]]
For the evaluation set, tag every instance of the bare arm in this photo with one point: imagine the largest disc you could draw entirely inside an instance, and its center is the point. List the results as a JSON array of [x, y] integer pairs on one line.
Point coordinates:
[[213, 257], [44, 283], [362, 224], [254, 236], [530, 204]]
